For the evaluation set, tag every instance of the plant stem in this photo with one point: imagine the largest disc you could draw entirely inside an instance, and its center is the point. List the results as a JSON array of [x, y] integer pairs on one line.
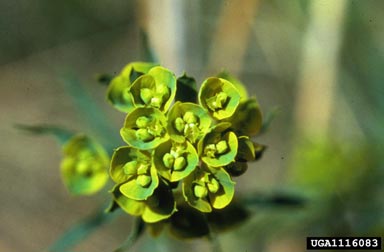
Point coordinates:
[[136, 231]]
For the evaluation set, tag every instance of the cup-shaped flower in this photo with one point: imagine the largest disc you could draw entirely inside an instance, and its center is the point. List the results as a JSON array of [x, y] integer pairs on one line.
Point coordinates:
[[237, 83], [159, 206], [145, 128], [133, 170], [218, 147], [187, 121], [156, 89], [247, 119], [118, 93], [208, 188], [84, 166], [219, 97], [174, 161]]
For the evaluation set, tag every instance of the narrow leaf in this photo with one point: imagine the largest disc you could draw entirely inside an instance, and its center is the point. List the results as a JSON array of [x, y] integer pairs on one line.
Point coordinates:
[[81, 230], [62, 135]]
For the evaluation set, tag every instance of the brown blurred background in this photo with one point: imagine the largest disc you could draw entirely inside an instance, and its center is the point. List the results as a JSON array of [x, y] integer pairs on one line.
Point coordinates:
[[319, 62]]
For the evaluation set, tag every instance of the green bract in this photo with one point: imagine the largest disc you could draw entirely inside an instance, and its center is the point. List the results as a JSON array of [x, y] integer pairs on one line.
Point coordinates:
[[219, 97], [246, 149], [145, 128], [84, 165], [206, 188], [118, 93], [174, 161], [187, 121], [133, 169], [161, 205], [156, 89], [247, 119], [218, 147]]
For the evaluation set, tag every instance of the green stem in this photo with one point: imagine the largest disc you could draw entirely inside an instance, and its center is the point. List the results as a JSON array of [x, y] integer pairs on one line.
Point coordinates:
[[136, 232], [215, 244], [80, 231]]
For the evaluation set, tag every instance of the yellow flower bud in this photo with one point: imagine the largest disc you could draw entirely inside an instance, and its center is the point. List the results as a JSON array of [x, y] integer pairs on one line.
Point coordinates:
[[143, 180], [179, 124], [180, 163], [222, 147], [144, 135], [213, 185], [168, 160], [200, 191]]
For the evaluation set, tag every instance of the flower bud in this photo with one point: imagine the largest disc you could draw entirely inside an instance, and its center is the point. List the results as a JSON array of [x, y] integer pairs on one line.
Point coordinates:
[[168, 160], [200, 191], [156, 102], [210, 150], [180, 163], [146, 95], [179, 124], [142, 121], [213, 185], [143, 180], [130, 167], [222, 147], [189, 117], [144, 135], [143, 169]]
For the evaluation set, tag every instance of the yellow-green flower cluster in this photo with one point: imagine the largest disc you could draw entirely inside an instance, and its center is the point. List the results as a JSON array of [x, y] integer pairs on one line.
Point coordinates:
[[179, 147]]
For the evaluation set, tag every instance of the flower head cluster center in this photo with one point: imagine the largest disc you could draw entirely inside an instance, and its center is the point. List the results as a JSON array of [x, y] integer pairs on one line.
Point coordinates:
[[177, 147]]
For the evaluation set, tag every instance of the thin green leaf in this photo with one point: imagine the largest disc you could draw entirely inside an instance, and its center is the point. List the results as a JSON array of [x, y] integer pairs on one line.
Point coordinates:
[[104, 78], [90, 111], [80, 231], [275, 200], [62, 135]]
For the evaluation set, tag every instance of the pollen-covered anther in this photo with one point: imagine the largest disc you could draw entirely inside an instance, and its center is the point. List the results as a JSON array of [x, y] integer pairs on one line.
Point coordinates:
[[200, 191]]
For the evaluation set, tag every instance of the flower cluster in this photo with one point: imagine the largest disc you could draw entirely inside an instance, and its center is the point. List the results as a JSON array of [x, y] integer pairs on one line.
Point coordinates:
[[191, 147], [83, 165]]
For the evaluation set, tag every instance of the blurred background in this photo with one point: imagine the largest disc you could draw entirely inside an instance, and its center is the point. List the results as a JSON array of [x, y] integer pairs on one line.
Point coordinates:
[[320, 63]]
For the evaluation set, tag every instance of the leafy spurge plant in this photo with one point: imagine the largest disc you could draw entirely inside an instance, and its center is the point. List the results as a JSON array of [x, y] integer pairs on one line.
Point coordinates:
[[182, 149]]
